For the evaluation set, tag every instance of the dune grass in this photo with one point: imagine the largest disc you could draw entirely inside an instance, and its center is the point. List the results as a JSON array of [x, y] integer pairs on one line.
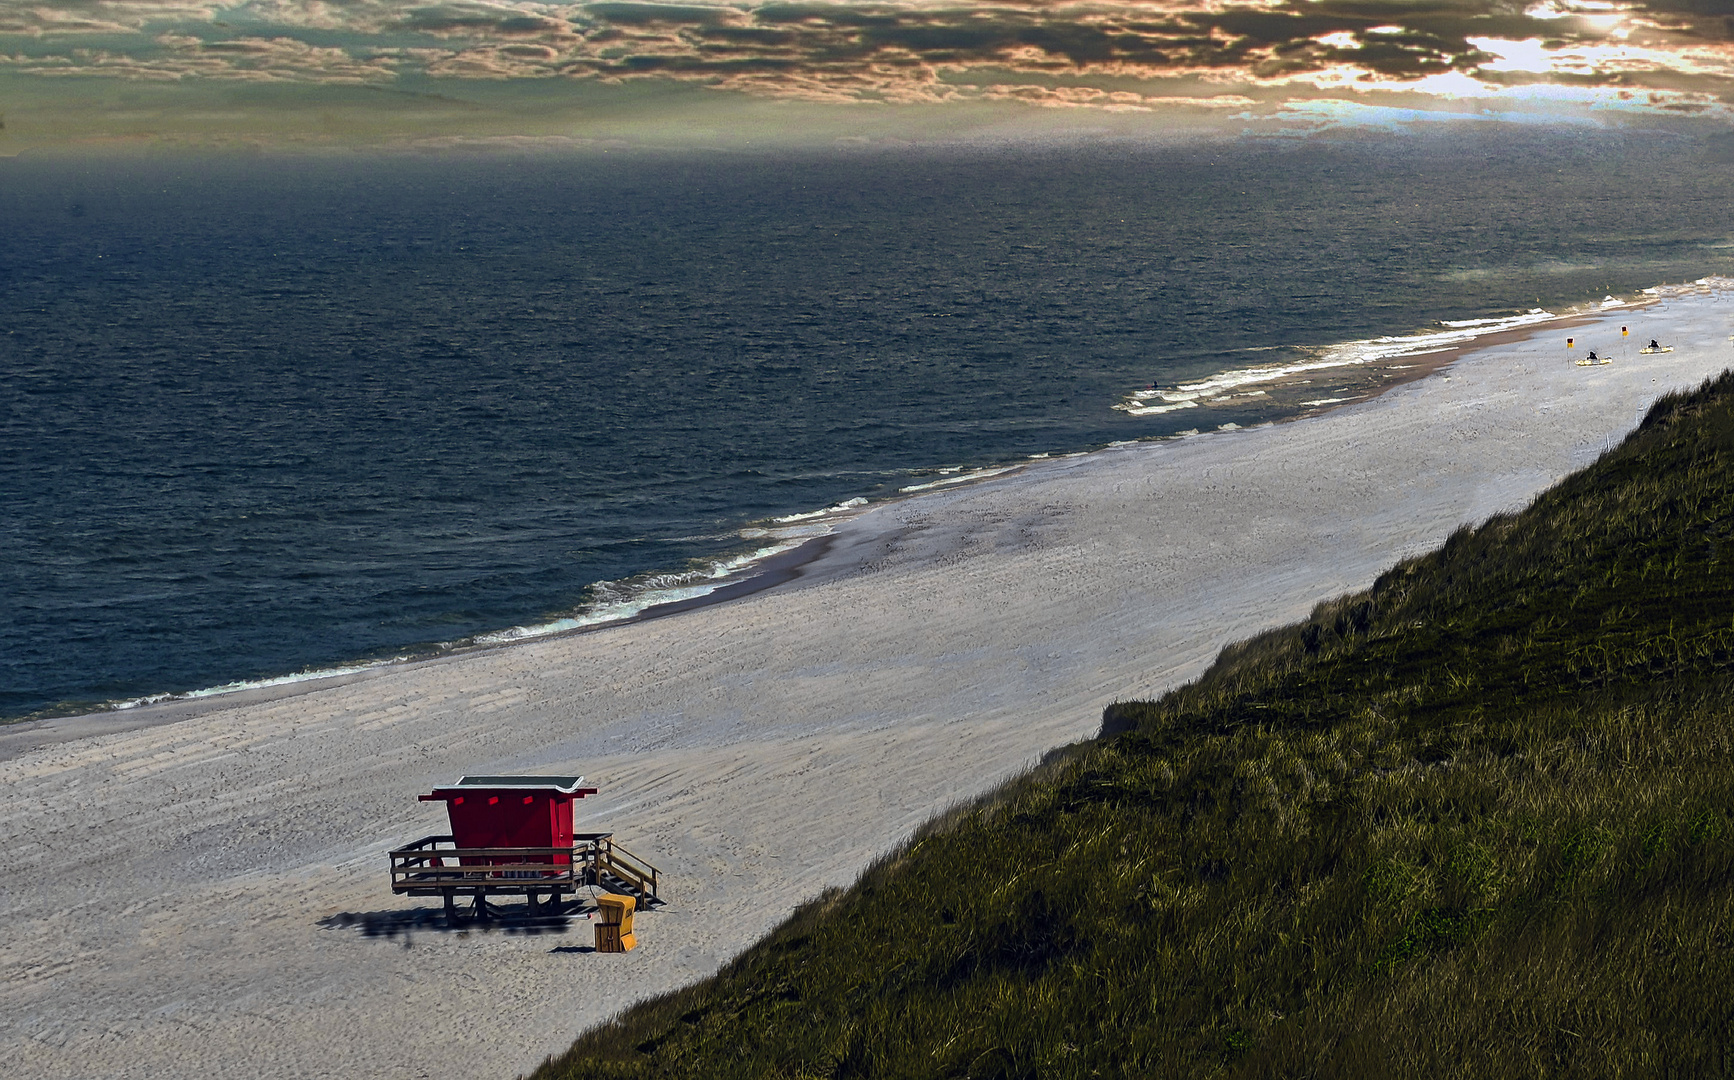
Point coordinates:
[[1474, 822]]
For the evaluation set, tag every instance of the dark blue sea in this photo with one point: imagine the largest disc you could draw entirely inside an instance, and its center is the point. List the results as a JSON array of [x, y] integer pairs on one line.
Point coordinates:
[[266, 416]]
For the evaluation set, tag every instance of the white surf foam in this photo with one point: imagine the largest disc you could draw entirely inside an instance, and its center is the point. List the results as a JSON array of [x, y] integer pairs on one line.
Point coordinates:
[[611, 601], [1155, 410], [1713, 284], [257, 684], [615, 601], [1226, 386], [840, 508], [963, 477]]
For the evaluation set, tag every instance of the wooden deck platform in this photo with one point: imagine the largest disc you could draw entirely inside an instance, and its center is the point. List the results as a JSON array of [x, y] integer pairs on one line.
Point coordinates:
[[435, 866]]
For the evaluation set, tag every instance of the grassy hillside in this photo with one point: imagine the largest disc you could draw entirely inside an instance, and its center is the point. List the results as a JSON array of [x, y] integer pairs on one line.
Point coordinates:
[[1474, 822]]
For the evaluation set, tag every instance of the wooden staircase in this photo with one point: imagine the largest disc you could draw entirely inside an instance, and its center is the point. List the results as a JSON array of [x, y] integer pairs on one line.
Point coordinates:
[[620, 871]]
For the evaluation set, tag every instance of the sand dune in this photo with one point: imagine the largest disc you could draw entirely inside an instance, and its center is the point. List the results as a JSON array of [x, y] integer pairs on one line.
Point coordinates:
[[190, 892]]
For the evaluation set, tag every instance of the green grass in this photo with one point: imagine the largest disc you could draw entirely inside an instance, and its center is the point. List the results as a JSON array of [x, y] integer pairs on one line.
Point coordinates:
[[1475, 822]]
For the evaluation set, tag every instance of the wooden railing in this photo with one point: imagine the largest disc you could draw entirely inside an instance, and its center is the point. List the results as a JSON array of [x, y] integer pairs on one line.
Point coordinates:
[[428, 868], [427, 864], [613, 859]]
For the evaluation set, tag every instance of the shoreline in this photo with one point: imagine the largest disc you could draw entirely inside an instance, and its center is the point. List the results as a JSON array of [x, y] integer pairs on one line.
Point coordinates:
[[794, 565], [758, 751]]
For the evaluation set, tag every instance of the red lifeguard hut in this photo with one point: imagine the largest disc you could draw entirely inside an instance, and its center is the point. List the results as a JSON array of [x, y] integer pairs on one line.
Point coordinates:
[[513, 835], [512, 812]]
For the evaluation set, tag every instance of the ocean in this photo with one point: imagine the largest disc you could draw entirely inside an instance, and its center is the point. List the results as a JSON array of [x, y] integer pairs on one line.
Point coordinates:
[[264, 417]]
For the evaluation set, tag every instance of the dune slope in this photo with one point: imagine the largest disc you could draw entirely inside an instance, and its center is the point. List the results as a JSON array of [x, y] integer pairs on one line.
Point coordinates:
[[1474, 821]]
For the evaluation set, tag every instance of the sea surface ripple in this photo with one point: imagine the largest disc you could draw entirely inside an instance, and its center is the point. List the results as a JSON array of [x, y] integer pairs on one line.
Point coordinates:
[[260, 417]]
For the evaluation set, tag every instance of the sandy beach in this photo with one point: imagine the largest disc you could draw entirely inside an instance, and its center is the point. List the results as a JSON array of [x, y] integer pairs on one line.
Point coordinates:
[[201, 891]]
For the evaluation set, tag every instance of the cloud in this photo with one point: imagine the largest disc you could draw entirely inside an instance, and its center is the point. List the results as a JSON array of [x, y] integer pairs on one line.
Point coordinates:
[[479, 21], [1110, 55], [87, 17]]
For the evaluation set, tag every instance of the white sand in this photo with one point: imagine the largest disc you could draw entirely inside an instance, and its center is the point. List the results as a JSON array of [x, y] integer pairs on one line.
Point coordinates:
[[167, 890]]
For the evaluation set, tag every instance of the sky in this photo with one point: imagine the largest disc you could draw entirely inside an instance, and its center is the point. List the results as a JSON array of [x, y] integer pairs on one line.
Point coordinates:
[[515, 72]]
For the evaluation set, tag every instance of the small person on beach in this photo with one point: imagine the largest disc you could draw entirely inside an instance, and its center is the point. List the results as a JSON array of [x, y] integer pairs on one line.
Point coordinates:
[[1653, 344]]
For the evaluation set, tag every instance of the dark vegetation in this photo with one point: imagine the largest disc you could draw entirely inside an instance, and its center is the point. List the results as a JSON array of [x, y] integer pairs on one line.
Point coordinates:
[[1474, 822]]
